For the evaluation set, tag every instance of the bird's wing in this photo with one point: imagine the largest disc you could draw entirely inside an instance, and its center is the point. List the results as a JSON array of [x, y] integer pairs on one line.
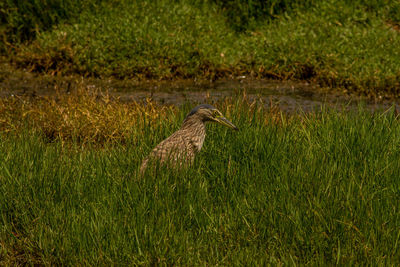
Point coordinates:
[[173, 149]]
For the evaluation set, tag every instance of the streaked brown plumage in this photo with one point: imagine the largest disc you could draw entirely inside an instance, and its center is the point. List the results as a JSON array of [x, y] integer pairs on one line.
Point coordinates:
[[181, 147]]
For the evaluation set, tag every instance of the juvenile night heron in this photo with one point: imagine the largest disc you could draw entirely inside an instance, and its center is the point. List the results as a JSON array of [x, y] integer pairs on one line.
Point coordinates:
[[181, 147]]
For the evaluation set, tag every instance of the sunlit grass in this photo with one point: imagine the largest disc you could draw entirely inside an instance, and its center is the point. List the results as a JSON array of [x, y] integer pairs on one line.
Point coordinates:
[[318, 189], [82, 116]]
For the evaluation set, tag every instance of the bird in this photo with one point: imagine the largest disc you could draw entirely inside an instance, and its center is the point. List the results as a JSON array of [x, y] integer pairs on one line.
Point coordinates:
[[180, 149]]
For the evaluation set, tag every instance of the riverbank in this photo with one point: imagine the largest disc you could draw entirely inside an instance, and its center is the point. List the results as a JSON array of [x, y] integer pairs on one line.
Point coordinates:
[[349, 46]]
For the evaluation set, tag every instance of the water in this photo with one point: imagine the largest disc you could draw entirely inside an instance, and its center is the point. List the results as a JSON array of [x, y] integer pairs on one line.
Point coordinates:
[[289, 96]]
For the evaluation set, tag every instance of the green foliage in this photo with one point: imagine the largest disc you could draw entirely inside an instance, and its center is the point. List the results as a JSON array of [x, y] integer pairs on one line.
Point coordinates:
[[243, 14], [322, 189], [337, 43], [22, 20]]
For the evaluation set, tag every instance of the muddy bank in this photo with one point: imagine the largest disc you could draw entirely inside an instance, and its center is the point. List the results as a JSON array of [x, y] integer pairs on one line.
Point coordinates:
[[289, 96]]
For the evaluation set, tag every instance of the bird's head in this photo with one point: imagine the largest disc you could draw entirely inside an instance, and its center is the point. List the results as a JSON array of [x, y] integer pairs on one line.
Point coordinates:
[[207, 112]]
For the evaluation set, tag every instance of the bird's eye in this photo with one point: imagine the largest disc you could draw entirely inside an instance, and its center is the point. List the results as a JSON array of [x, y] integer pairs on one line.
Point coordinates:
[[216, 113]]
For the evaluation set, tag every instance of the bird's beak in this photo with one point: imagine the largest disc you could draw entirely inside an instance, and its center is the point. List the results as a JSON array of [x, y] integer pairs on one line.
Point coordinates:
[[226, 122]]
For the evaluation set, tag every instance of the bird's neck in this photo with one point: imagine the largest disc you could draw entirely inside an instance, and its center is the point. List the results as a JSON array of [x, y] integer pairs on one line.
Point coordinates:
[[195, 131], [193, 123]]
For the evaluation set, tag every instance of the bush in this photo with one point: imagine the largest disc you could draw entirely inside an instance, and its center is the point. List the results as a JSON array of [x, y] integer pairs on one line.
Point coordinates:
[[22, 20], [242, 14]]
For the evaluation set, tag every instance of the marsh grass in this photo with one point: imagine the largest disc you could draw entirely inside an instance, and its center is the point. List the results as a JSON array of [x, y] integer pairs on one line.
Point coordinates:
[[83, 116], [322, 188], [351, 45]]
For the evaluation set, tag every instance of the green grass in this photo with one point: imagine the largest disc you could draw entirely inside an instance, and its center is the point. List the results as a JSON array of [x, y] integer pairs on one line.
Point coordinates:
[[21, 20], [319, 189], [336, 43]]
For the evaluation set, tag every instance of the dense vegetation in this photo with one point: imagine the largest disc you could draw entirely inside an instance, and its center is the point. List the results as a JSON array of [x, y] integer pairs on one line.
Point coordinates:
[[339, 43], [318, 189]]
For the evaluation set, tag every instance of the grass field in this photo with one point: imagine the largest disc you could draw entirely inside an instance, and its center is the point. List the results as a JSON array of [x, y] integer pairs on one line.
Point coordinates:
[[336, 43], [322, 188]]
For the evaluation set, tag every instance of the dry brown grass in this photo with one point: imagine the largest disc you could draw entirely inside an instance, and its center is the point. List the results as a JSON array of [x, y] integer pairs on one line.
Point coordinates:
[[84, 116]]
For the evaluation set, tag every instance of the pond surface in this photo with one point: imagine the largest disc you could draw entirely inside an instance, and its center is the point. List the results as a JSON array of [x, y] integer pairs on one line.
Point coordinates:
[[289, 96]]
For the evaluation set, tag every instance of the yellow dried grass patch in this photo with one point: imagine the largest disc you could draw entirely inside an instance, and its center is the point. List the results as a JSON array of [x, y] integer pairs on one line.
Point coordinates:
[[83, 116], [88, 116]]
